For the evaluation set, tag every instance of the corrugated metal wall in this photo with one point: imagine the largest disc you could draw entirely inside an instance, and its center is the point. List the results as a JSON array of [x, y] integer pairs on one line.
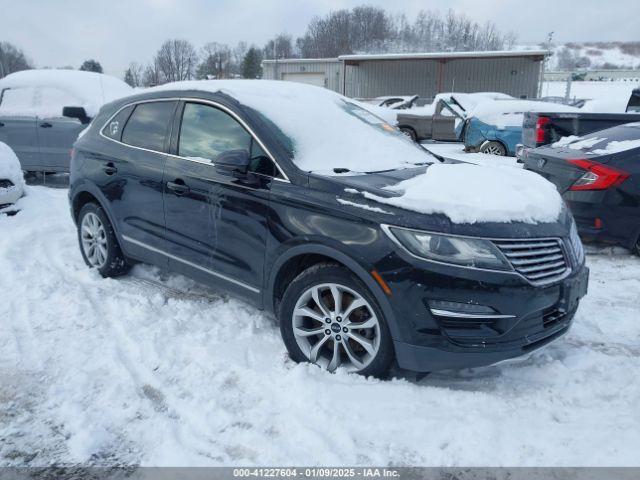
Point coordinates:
[[517, 76], [332, 70]]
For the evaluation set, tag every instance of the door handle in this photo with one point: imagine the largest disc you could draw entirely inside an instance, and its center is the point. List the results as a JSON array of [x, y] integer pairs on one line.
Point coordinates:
[[110, 169], [46, 125], [1, 124], [178, 187]]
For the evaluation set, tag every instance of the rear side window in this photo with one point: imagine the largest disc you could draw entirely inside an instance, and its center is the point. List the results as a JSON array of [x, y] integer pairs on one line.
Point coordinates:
[[18, 101], [148, 125], [113, 129]]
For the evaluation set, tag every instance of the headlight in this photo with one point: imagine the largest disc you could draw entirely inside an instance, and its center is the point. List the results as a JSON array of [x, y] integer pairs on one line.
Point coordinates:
[[468, 252]]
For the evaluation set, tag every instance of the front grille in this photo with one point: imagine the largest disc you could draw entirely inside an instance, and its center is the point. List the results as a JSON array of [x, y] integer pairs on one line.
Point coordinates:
[[541, 261], [5, 183]]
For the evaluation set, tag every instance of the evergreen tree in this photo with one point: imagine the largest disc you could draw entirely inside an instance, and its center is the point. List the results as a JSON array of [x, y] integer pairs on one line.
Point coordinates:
[[251, 64], [91, 66]]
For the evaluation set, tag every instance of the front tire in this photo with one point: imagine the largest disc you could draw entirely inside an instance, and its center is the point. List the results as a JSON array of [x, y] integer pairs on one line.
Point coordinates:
[[98, 243], [330, 318], [493, 148]]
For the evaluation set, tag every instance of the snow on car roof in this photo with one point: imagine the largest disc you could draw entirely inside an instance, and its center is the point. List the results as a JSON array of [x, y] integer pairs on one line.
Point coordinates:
[[328, 131], [89, 89], [510, 113], [473, 193]]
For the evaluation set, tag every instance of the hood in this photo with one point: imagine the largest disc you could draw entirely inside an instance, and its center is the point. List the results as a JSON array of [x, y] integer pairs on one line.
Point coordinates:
[[378, 197]]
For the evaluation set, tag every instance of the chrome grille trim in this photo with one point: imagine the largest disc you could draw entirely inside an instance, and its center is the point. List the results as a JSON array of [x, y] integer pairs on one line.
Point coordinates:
[[541, 261]]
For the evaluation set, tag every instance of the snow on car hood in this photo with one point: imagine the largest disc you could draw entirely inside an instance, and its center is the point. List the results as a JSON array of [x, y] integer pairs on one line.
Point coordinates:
[[510, 113], [473, 194], [327, 130], [45, 92], [10, 166]]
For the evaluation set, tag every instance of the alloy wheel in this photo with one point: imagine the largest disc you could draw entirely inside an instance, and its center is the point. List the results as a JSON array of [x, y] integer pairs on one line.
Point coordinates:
[[334, 326], [94, 240]]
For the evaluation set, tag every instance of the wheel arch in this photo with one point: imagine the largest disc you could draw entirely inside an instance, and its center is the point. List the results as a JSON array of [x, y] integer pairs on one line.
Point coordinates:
[[86, 194], [299, 258]]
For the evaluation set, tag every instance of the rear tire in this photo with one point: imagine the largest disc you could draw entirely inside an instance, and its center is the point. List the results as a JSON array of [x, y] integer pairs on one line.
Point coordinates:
[[493, 148], [350, 332], [98, 243], [636, 247], [410, 132]]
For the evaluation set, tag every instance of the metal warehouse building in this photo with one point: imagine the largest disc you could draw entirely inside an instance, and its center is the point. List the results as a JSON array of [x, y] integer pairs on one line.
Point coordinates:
[[517, 73]]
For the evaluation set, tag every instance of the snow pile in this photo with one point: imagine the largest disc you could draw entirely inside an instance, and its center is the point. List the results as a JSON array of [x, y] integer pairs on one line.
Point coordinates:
[[510, 113], [616, 146], [328, 130], [469, 193], [155, 370], [44, 93], [10, 167]]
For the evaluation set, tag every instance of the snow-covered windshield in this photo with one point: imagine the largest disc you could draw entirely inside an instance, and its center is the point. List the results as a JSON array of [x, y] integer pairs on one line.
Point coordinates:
[[327, 133]]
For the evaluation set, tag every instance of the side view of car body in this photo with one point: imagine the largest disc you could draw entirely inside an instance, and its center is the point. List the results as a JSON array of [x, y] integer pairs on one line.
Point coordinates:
[[195, 178], [43, 111], [598, 175]]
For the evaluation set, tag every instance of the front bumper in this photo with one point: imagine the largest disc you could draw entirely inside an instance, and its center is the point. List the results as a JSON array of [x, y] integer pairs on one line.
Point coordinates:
[[539, 315]]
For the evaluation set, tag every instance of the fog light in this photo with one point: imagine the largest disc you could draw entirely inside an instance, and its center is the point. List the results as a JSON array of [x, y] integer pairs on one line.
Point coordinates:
[[443, 308]]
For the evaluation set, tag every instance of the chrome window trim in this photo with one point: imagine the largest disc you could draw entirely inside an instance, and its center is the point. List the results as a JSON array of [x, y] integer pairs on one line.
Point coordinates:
[[386, 229], [253, 135], [191, 264]]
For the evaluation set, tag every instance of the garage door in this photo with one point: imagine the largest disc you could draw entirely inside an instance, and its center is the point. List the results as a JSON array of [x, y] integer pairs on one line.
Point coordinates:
[[316, 79]]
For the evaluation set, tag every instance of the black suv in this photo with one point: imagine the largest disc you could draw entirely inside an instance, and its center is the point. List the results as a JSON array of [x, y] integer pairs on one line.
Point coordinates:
[[194, 179]]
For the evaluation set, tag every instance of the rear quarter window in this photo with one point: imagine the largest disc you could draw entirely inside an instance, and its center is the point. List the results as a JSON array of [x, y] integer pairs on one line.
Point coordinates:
[[113, 128], [148, 125]]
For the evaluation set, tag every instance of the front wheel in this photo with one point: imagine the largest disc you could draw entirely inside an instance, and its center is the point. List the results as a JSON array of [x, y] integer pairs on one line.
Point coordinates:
[[330, 318], [98, 242], [493, 148]]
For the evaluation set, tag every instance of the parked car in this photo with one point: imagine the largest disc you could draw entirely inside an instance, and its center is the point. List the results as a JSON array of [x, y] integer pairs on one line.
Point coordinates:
[[11, 179], [438, 121], [43, 111], [495, 127], [634, 101], [598, 175], [267, 190]]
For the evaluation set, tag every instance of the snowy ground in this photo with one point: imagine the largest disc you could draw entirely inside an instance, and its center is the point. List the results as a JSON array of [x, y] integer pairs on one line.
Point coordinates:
[[455, 151], [155, 370]]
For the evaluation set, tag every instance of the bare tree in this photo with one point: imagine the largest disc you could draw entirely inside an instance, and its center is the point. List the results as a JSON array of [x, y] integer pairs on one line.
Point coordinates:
[[216, 60], [176, 60], [12, 59], [152, 75], [133, 74], [282, 45]]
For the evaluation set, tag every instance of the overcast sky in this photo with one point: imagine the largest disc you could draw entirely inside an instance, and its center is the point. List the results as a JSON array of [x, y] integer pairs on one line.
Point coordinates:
[[117, 32]]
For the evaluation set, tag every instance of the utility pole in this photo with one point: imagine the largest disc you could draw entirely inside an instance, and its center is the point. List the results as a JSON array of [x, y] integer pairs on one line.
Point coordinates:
[[544, 62]]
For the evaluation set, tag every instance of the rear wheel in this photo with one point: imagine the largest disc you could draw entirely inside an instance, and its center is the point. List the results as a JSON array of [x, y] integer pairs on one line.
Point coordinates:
[[98, 242], [328, 317], [409, 132], [493, 148], [636, 247]]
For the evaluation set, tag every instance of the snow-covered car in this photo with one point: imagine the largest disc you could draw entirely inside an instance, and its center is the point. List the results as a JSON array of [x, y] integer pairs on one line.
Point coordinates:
[[43, 111], [495, 127], [11, 179], [438, 120], [295, 198]]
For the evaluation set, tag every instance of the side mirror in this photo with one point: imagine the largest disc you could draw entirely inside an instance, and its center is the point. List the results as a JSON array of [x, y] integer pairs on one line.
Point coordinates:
[[76, 112], [233, 161]]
